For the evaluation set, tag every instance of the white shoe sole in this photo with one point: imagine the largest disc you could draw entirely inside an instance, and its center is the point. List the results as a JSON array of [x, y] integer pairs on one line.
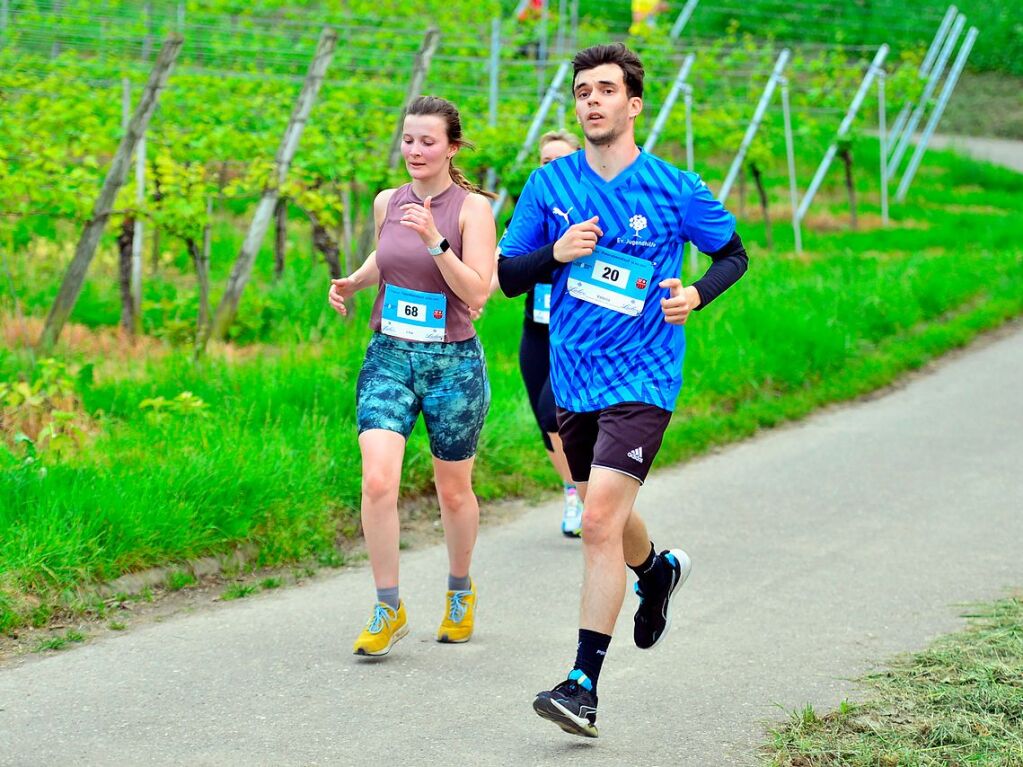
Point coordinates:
[[553, 711]]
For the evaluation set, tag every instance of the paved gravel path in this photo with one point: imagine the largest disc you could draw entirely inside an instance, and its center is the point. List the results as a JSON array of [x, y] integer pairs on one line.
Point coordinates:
[[999, 151]]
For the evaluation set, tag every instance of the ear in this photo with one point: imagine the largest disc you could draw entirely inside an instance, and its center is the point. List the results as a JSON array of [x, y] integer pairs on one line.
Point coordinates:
[[635, 106]]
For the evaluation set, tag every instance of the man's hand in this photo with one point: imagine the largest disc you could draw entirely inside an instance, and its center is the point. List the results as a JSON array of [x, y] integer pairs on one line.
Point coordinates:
[[578, 241], [340, 291], [676, 308]]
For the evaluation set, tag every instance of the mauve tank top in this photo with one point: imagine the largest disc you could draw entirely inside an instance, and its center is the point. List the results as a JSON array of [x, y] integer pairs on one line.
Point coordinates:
[[404, 261]]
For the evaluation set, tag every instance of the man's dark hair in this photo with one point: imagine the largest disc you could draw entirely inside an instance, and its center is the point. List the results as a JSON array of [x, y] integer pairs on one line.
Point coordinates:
[[615, 53]]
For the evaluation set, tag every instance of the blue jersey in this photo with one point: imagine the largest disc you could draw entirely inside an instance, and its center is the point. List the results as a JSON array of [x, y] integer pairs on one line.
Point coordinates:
[[601, 357]]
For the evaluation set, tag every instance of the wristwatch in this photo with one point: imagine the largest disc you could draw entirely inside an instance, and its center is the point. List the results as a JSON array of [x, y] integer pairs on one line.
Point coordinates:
[[441, 247]]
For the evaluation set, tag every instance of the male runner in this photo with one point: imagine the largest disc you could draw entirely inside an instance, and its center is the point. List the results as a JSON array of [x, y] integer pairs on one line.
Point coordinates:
[[617, 307]]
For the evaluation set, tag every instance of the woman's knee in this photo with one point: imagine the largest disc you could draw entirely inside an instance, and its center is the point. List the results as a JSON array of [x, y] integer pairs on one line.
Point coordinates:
[[456, 495], [379, 485]]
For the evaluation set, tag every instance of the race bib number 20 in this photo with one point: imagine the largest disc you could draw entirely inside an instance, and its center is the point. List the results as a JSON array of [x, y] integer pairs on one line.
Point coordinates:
[[610, 279]]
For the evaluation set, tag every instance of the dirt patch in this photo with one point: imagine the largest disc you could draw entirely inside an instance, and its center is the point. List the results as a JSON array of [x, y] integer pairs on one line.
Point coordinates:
[[98, 342], [111, 344], [826, 221], [983, 210]]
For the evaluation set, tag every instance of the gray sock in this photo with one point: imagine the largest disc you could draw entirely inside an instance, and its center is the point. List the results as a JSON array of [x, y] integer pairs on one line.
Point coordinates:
[[458, 584], [389, 597]]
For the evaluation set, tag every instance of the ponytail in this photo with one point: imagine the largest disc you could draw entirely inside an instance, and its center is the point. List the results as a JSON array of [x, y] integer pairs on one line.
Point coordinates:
[[459, 178]]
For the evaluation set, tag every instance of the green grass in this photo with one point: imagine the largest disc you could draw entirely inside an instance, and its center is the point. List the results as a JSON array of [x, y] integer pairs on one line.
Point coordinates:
[[960, 702], [60, 642], [180, 580], [269, 456], [238, 591]]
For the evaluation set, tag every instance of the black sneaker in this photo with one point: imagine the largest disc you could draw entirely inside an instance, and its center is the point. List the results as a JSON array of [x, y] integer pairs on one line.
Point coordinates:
[[570, 706], [653, 616]]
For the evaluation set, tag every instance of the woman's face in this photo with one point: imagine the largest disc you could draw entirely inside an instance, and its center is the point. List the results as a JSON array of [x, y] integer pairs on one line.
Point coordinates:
[[425, 146], [552, 150]]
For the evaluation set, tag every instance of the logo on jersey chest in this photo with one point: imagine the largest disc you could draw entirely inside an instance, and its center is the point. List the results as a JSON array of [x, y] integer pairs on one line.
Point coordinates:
[[562, 213], [637, 224]]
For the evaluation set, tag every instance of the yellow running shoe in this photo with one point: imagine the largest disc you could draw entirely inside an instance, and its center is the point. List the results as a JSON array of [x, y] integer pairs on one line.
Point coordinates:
[[457, 623], [385, 627]]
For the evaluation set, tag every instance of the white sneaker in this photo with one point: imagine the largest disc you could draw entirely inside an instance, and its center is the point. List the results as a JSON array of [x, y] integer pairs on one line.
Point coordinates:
[[572, 520]]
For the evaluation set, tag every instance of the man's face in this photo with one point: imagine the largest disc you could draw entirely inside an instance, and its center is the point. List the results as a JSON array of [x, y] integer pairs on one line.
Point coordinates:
[[604, 109]]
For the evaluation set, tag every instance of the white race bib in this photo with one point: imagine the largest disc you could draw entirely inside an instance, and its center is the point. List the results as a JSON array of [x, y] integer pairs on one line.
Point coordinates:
[[542, 303], [611, 279], [413, 314]]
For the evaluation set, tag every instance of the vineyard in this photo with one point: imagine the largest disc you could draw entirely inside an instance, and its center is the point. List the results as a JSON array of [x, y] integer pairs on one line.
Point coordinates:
[[133, 413], [71, 74]]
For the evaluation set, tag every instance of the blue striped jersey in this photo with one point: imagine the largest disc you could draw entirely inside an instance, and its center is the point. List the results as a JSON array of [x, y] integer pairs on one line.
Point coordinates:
[[601, 357]]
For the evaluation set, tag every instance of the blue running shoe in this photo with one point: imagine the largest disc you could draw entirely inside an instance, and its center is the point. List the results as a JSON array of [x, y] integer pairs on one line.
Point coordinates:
[[572, 519]]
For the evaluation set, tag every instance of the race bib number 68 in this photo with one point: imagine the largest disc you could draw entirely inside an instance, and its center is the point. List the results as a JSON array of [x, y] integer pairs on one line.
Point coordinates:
[[413, 314]]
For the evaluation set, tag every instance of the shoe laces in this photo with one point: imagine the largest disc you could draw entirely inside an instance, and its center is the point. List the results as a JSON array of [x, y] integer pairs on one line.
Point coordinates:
[[569, 686], [381, 615], [457, 605]]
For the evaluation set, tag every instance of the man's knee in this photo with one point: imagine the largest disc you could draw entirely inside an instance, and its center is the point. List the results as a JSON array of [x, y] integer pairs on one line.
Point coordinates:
[[602, 524]]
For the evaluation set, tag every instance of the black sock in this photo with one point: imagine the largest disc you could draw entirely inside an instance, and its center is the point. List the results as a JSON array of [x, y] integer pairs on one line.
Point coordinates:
[[644, 570], [652, 574], [589, 656]]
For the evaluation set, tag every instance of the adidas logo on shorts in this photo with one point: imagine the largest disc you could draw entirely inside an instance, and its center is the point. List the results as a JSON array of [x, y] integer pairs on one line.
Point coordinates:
[[636, 455]]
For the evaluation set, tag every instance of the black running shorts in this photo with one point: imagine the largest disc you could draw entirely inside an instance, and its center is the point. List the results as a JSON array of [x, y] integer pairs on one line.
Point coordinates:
[[623, 438]]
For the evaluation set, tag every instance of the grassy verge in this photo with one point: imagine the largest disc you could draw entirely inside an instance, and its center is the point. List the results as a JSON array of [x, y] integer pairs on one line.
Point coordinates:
[[262, 449], [960, 702]]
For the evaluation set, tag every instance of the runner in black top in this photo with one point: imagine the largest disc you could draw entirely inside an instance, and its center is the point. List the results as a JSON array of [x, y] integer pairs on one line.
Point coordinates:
[[534, 359]]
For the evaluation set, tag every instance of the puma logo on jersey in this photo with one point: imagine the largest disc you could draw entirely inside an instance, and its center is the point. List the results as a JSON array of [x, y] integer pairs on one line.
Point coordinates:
[[563, 213], [636, 455]]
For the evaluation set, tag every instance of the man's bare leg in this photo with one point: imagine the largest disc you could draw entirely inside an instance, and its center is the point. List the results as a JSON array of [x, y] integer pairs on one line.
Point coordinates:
[[609, 499], [635, 540]]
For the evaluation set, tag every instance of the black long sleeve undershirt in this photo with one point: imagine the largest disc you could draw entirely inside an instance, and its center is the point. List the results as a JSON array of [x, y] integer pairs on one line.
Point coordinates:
[[517, 275], [727, 265]]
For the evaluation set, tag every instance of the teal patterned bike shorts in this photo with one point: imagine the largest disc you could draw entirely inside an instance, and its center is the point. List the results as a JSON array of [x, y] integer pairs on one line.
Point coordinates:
[[447, 382]]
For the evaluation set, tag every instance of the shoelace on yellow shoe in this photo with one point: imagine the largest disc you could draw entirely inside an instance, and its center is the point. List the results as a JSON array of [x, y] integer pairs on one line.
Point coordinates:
[[457, 605], [381, 615]]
